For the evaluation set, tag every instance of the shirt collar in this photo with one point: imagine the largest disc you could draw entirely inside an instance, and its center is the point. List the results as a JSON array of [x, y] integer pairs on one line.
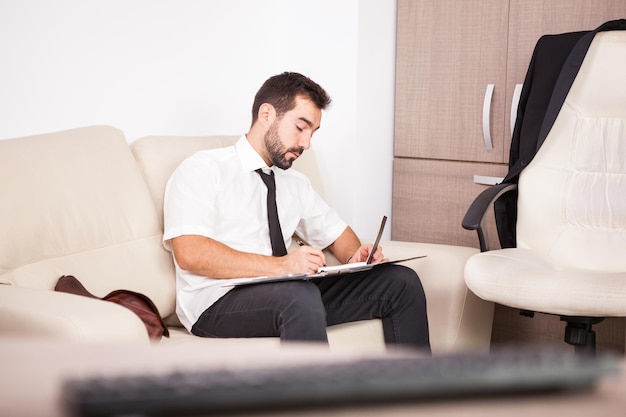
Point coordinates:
[[248, 157]]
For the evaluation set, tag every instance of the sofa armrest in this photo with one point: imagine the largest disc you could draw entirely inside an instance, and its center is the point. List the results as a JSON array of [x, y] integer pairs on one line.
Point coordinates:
[[458, 319], [40, 313]]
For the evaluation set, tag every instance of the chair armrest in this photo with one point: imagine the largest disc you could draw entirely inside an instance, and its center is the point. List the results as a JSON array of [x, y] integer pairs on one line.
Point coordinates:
[[40, 313], [475, 216]]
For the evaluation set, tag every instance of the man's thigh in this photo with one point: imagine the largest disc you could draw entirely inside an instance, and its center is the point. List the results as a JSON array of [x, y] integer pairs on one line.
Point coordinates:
[[366, 295], [262, 310]]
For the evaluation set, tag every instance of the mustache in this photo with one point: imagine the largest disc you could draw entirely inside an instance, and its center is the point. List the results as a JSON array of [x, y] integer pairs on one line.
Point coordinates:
[[296, 150]]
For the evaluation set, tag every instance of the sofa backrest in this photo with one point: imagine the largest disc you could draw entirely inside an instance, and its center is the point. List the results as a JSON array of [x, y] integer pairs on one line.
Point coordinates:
[[158, 157], [76, 203]]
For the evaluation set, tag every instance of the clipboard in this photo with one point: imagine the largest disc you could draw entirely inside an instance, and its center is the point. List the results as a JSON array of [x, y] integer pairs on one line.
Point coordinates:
[[326, 271], [236, 282]]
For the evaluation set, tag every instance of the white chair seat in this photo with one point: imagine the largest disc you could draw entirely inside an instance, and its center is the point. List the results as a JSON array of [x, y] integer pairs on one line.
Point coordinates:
[[519, 278]]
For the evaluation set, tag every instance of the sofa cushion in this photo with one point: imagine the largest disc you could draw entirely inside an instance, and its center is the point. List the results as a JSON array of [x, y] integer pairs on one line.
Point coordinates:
[[75, 202], [159, 156]]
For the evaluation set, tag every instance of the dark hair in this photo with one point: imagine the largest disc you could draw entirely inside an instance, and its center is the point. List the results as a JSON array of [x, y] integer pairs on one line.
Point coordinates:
[[281, 90]]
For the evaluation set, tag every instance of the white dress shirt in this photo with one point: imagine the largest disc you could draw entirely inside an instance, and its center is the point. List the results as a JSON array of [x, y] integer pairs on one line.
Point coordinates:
[[217, 193]]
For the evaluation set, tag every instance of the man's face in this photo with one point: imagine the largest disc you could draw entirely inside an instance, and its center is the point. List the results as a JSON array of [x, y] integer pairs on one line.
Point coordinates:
[[290, 135]]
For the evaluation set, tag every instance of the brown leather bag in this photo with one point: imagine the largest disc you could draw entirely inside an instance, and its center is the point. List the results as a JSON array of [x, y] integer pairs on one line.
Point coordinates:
[[139, 303]]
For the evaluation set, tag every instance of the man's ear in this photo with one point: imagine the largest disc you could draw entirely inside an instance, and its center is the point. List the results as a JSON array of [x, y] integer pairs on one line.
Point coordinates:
[[267, 114]]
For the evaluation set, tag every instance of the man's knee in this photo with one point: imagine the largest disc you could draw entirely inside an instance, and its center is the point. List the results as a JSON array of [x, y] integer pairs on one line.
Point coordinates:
[[304, 316], [406, 276], [303, 298]]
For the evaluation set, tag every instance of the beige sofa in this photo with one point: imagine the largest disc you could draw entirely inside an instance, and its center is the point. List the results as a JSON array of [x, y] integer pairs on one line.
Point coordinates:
[[83, 202]]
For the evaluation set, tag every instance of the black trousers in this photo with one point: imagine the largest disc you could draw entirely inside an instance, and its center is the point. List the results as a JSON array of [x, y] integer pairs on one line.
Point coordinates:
[[301, 310]]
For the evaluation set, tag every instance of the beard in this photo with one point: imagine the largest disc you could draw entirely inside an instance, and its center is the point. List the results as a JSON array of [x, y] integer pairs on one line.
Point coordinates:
[[277, 152]]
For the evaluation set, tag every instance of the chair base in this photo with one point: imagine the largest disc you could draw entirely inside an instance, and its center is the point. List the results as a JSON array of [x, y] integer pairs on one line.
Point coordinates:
[[578, 332]]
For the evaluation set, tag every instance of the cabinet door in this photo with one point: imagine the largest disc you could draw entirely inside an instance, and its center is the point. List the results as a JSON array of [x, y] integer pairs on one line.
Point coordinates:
[[431, 197], [448, 53], [530, 19]]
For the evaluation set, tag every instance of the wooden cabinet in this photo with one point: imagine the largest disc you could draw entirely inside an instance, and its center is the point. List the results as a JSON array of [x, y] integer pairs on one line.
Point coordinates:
[[447, 53], [433, 197], [458, 68]]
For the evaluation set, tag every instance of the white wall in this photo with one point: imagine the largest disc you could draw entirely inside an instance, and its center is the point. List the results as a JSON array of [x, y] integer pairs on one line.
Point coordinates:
[[192, 67]]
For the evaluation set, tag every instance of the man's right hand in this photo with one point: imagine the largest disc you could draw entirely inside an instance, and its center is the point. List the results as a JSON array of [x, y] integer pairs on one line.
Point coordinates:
[[305, 259]]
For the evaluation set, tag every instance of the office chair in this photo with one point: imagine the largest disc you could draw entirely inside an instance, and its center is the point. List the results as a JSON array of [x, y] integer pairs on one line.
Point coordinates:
[[561, 209]]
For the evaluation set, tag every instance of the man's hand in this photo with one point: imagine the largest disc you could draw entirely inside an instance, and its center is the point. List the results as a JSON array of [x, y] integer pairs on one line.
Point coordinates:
[[363, 252], [305, 259]]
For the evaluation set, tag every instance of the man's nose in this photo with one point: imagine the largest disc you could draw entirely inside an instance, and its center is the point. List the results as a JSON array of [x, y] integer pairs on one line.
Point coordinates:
[[305, 140]]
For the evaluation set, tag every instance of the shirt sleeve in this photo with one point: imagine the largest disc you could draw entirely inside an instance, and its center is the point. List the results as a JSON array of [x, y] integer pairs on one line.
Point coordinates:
[[320, 225], [189, 201]]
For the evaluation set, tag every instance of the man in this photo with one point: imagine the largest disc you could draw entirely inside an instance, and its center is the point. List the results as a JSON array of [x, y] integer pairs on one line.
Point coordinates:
[[216, 225]]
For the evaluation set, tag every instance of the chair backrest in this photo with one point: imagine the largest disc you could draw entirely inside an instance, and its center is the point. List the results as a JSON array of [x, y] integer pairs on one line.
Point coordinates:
[[572, 196]]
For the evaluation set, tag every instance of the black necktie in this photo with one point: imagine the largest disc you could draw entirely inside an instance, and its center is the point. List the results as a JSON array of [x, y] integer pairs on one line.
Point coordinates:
[[276, 235]]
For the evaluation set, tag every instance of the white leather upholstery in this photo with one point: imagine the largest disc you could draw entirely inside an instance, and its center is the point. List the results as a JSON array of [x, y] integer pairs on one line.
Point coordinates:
[[78, 203], [571, 228]]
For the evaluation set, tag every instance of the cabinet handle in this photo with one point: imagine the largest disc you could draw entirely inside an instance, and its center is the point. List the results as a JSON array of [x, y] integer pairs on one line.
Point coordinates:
[[487, 117], [514, 103]]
